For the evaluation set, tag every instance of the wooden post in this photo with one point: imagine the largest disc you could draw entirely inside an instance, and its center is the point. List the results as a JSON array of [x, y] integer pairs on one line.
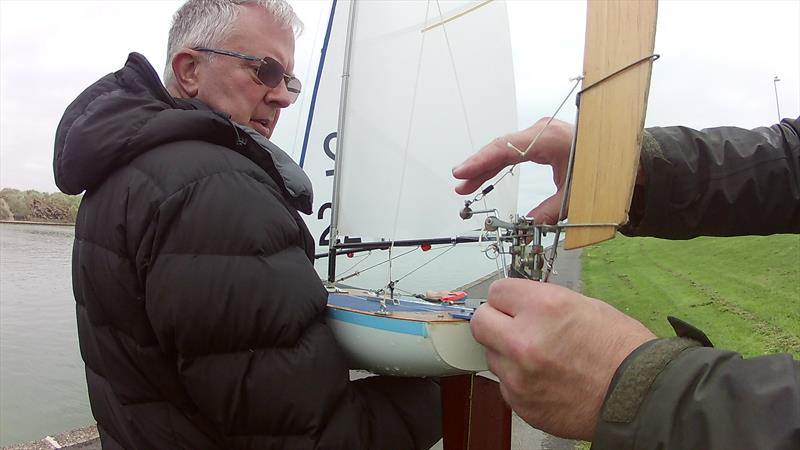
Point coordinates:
[[474, 414]]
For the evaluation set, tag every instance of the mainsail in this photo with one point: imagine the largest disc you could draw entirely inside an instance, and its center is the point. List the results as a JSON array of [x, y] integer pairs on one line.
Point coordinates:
[[429, 83]]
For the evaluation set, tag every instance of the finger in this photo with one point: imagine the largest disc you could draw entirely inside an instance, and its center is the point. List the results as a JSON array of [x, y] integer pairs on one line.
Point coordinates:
[[548, 211], [507, 396], [514, 384], [471, 185], [468, 186], [491, 158], [502, 368], [489, 327], [500, 365], [509, 295]]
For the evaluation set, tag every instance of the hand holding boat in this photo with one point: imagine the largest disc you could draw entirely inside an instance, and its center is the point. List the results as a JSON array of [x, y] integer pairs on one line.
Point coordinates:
[[554, 351]]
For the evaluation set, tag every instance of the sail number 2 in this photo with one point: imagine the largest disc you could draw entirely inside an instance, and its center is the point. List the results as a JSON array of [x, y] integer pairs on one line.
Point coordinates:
[[324, 236]]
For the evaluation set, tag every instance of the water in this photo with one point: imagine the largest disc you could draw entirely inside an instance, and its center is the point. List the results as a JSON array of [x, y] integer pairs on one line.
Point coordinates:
[[42, 384]]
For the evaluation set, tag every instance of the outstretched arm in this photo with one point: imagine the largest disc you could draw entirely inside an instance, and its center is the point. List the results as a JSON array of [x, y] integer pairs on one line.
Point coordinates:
[[723, 181]]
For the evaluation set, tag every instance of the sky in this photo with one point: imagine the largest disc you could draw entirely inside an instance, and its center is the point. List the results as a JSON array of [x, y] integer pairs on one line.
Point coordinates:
[[717, 67]]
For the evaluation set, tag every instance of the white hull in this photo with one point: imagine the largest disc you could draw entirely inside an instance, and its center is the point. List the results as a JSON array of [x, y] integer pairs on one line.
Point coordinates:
[[422, 343]]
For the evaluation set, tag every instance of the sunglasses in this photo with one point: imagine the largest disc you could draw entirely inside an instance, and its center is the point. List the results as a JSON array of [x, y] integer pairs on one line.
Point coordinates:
[[269, 72]]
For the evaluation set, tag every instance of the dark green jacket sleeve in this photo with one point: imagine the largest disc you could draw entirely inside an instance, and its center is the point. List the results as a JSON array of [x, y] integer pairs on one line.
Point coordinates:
[[674, 395], [723, 181]]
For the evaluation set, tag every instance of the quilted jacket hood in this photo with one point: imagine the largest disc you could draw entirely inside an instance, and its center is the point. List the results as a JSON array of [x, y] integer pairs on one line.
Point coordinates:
[[129, 112]]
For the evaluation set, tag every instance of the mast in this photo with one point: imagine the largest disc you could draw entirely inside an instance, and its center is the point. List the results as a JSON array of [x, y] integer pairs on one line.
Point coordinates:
[[334, 235]]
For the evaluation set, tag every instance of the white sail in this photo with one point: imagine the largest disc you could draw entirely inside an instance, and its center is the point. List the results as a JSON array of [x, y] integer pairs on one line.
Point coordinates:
[[430, 82]]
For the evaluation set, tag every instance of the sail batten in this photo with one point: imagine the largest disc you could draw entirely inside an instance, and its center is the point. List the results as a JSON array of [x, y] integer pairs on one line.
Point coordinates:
[[455, 16]]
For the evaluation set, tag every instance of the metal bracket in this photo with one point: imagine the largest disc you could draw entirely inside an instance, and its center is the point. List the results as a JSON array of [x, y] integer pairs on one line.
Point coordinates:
[[527, 252], [528, 257]]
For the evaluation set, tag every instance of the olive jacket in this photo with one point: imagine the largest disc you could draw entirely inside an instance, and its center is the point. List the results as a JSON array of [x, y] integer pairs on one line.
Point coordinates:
[[681, 393]]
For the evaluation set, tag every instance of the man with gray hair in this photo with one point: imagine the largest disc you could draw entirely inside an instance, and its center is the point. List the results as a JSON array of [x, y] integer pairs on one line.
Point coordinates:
[[200, 316]]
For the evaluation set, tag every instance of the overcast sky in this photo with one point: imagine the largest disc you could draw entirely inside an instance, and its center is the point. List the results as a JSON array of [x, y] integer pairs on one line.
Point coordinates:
[[718, 60]]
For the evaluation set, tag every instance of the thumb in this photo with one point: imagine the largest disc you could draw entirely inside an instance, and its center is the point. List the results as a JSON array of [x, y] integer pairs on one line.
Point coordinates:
[[548, 211]]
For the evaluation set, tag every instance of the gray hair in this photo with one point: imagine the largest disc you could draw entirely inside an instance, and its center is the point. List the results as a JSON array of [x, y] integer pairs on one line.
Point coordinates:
[[207, 23]]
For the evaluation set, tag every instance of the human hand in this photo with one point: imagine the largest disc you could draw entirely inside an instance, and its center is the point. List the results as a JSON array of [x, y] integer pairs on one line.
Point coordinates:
[[552, 148], [554, 351]]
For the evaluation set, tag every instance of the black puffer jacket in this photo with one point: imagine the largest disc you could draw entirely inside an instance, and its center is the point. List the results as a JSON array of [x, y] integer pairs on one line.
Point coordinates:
[[680, 393], [200, 316]]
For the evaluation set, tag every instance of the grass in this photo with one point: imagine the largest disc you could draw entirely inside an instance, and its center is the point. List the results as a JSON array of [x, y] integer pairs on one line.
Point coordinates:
[[743, 292]]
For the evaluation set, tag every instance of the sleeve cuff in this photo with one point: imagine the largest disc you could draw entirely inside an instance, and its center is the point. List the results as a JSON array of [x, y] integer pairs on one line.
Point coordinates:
[[635, 377]]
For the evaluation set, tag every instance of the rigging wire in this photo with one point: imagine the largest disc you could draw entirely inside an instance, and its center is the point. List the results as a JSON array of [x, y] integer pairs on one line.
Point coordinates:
[[522, 153], [363, 258], [442, 248], [452, 246], [408, 138], [377, 265], [455, 73]]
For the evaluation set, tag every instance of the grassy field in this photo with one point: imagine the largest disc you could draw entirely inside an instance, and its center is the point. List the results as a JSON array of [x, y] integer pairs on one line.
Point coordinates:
[[743, 292]]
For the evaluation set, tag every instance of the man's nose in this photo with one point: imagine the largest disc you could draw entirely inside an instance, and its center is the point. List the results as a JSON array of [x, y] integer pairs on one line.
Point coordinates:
[[279, 94]]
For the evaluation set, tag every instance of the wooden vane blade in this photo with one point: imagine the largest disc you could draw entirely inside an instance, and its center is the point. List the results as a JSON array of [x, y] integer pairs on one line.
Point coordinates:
[[611, 116]]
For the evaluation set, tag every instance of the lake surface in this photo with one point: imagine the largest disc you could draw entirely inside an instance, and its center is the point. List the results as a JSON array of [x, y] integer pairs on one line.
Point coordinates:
[[42, 384]]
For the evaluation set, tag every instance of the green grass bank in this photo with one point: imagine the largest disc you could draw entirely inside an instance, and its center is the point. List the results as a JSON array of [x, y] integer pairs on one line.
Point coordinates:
[[744, 292]]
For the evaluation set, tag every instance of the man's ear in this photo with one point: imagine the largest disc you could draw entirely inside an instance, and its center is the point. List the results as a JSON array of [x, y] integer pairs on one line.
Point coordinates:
[[184, 68]]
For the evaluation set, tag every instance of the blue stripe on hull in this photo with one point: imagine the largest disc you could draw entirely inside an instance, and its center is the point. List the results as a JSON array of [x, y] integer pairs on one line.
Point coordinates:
[[379, 322]]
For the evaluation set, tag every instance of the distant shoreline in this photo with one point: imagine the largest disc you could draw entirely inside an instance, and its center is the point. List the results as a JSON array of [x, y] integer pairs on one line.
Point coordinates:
[[25, 222]]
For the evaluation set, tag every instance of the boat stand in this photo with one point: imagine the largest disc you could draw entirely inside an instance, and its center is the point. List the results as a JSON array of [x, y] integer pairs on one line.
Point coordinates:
[[474, 414]]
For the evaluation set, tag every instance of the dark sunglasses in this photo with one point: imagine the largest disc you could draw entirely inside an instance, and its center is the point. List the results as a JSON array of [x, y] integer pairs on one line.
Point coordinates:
[[269, 72]]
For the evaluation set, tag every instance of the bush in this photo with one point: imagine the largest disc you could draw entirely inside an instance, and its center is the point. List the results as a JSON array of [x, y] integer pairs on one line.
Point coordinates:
[[5, 211], [38, 206]]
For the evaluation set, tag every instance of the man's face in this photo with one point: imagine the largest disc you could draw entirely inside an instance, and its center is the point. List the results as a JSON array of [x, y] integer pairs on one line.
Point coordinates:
[[229, 84]]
